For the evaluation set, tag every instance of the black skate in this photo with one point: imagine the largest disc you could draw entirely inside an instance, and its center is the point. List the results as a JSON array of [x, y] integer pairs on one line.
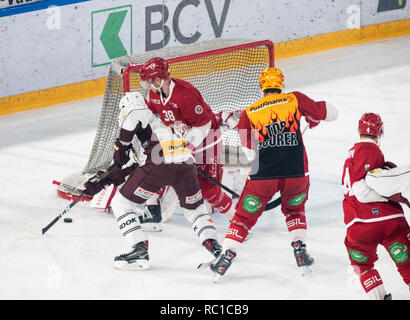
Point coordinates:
[[137, 258], [388, 297], [213, 247], [223, 264], [303, 260], [151, 219]]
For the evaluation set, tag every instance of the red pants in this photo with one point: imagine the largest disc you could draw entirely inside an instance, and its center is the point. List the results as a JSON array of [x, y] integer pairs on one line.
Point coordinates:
[[362, 240], [209, 161], [255, 196]]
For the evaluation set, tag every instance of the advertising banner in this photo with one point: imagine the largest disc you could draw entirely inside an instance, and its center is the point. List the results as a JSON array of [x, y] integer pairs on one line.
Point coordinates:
[[72, 41]]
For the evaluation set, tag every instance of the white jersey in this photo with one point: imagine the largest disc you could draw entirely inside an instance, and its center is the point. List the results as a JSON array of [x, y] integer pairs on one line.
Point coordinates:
[[135, 115], [389, 183]]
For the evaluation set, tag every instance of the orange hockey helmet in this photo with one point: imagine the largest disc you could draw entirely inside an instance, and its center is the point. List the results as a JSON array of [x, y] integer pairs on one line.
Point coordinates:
[[271, 78]]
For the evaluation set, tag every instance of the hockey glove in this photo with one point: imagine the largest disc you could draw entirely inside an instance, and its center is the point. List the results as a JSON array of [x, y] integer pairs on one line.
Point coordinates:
[[95, 185], [312, 122], [121, 153], [116, 176], [388, 165], [229, 119]]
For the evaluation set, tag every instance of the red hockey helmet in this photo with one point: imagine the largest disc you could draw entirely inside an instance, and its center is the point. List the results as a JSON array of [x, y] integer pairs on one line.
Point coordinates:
[[155, 68], [371, 124]]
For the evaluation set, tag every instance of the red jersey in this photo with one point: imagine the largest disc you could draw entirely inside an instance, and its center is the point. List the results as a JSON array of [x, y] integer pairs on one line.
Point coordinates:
[[272, 124], [184, 107], [363, 157]]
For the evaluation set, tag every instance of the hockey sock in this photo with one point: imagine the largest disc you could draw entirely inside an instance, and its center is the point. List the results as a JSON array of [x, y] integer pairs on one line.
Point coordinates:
[[373, 285], [230, 244], [237, 231], [298, 234], [127, 219], [296, 221], [202, 223]]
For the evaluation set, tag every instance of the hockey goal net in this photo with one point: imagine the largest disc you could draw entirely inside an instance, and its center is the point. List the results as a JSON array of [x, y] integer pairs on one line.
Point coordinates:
[[225, 71]]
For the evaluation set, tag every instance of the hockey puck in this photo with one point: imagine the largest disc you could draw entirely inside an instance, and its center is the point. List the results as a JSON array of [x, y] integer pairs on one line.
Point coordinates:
[[68, 220]]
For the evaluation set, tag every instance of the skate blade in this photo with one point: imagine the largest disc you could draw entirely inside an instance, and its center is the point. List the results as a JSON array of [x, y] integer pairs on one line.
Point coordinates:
[[151, 227], [136, 265], [217, 277], [205, 265], [305, 271]]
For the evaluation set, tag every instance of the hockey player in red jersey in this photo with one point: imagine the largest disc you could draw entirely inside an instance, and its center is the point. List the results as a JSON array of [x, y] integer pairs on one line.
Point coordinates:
[[370, 218], [271, 129], [181, 106]]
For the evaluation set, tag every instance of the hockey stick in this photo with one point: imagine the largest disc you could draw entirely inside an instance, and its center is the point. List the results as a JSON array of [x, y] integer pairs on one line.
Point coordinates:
[[68, 208], [269, 206], [233, 193], [72, 204]]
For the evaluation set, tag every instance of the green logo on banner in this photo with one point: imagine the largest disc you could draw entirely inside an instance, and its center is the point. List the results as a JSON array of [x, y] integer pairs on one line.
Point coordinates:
[[358, 256], [399, 252], [111, 34], [251, 204]]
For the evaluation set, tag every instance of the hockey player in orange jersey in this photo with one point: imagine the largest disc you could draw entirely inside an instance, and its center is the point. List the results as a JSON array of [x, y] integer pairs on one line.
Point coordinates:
[[271, 129]]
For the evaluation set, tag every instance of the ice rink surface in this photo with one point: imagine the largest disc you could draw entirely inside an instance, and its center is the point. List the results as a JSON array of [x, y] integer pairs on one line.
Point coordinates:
[[74, 261]]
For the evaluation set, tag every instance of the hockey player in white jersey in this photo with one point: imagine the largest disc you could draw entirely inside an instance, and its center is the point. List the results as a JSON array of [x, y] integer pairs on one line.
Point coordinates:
[[391, 182], [167, 163]]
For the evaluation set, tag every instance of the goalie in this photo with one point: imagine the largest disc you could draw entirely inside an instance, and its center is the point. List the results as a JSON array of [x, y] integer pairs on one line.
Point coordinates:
[[167, 163]]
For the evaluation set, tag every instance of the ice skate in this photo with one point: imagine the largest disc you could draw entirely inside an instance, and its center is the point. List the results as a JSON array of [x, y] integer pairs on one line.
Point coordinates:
[[223, 264], [303, 260], [137, 258], [213, 246], [151, 219], [388, 297]]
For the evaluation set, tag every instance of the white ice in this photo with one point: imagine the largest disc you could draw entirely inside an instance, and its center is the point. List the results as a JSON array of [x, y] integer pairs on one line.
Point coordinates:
[[74, 261]]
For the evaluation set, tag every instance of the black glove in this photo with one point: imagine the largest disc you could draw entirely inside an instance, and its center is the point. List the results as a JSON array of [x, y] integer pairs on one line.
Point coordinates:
[[121, 153], [388, 165], [116, 176], [95, 185]]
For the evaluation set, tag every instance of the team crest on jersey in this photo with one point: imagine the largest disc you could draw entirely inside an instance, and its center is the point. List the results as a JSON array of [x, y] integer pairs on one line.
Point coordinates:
[[199, 109], [195, 198], [375, 211], [142, 193]]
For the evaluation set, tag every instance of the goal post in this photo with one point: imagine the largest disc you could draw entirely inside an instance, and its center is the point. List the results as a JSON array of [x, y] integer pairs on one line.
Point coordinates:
[[225, 71]]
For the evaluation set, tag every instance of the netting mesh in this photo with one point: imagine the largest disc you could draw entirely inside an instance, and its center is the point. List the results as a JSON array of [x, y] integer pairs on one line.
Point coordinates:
[[227, 80]]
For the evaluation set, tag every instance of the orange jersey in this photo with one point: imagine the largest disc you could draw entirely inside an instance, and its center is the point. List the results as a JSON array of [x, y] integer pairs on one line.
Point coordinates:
[[272, 125]]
